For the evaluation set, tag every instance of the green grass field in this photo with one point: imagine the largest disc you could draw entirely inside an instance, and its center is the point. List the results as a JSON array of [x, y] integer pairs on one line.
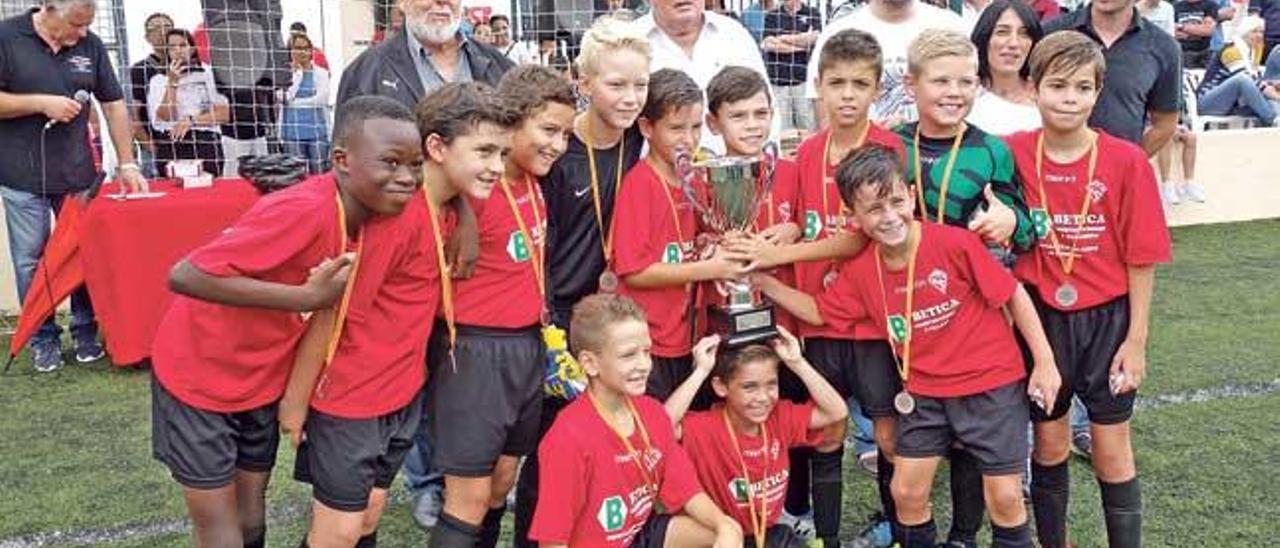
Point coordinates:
[[75, 464]]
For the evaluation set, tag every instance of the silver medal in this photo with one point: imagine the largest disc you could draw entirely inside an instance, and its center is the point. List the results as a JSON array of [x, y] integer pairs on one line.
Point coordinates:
[[608, 281], [904, 403], [1066, 295]]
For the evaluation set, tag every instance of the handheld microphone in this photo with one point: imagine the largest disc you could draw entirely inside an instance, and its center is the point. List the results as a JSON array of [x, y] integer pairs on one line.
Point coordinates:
[[81, 97]]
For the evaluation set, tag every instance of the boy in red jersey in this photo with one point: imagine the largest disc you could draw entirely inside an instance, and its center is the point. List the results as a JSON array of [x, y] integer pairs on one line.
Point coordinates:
[[613, 451], [740, 446], [1096, 209], [654, 229], [222, 357], [960, 364], [739, 110], [483, 413]]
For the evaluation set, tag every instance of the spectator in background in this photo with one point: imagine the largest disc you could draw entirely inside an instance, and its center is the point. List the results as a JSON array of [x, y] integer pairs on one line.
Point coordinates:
[[185, 108], [1269, 11], [500, 25], [304, 122], [37, 83], [317, 55], [1159, 13], [156, 27], [1004, 36], [395, 23], [245, 133], [753, 17], [686, 37], [790, 31], [431, 52], [1142, 89], [1045, 9], [1194, 22], [481, 32], [1231, 83]]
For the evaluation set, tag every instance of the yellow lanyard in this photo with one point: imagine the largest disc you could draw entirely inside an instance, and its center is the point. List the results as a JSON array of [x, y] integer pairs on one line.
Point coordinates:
[[636, 456], [675, 214], [904, 368], [1068, 264], [534, 251], [826, 166], [758, 519], [606, 235], [946, 175], [446, 282], [341, 317]]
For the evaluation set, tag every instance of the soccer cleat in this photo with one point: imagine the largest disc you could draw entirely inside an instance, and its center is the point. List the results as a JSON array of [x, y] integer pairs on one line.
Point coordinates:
[[1191, 192], [427, 507], [877, 534], [46, 356], [869, 463], [89, 351], [801, 525], [1082, 444]]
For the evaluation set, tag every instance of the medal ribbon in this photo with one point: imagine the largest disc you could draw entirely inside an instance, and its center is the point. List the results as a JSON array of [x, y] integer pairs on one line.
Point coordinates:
[[758, 519], [826, 165], [446, 282], [946, 175], [904, 368], [339, 320], [1068, 264], [636, 456], [537, 255], [606, 235]]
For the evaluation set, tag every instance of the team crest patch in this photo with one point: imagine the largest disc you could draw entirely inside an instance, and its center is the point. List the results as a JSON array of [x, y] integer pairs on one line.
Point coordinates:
[[738, 487], [1096, 190], [938, 279], [784, 212], [613, 514]]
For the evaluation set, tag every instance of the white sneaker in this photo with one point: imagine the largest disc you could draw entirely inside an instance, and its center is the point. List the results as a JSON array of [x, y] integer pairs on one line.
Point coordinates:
[[1170, 194], [801, 525], [1191, 191]]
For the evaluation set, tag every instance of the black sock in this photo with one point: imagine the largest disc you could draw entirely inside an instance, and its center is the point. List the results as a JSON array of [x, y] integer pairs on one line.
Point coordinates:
[[304, 544], [259, 539], [526, 500], [924, 535], [797, 503], [368, 541], [827, 486], [967, 502], [1011, 537], [1122, 508], [451, 532], [1050, 493], [490, 528], [884, 477]]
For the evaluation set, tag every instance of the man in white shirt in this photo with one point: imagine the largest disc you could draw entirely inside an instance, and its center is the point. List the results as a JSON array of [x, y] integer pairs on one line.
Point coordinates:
[[894, 23], [686, 37]]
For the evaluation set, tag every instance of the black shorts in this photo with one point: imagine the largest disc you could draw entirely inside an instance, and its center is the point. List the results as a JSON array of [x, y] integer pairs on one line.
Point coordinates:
[[344, 459], [203, 449], [992, 426], [1084, 342], [668, 374], [835, 360], [490, 405], [653, 534], [877, 378]]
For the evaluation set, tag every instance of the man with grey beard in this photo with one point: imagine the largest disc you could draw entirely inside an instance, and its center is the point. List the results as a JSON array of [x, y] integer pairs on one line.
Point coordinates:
[[429, 53]]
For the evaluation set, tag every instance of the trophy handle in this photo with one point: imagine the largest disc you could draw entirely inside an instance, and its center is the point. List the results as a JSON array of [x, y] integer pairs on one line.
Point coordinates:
[[770, 165], [686, 174]]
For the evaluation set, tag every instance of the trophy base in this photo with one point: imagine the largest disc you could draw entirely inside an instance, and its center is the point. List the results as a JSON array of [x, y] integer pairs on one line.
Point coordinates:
[[742, 327]]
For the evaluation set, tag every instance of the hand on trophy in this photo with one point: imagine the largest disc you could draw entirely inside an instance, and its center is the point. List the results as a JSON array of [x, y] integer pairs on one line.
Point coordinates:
[[787, 347], [781, 234], [730, 264], [704, 353]]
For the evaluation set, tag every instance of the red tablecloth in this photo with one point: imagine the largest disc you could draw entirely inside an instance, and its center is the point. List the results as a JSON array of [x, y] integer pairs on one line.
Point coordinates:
[[129, 246]]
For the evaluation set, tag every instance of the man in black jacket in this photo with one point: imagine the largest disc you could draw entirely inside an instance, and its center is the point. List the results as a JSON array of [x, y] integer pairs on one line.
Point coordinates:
[[430, 52]]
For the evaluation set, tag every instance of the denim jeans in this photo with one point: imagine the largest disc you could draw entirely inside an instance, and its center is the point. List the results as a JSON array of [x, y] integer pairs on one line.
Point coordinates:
[[1237, 90], [420, 476], [27, 216], [1272, 70], [316, 153], [863, 432]]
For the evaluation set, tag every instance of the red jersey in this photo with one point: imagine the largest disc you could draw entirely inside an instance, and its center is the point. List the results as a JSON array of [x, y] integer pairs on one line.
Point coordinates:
[[227, 359], [961, 343], [1123, 227], [593, 494], [719, 467], [503, 289], [378, 367], [646, 231], [822, 214]]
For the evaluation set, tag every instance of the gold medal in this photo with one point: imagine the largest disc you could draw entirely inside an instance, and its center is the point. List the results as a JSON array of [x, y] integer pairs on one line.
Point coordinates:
[[608, 281], [1066, 295], [904, 403]]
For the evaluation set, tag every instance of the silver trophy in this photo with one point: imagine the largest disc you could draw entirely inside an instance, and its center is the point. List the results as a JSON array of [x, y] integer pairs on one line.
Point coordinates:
[[729, 194]]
